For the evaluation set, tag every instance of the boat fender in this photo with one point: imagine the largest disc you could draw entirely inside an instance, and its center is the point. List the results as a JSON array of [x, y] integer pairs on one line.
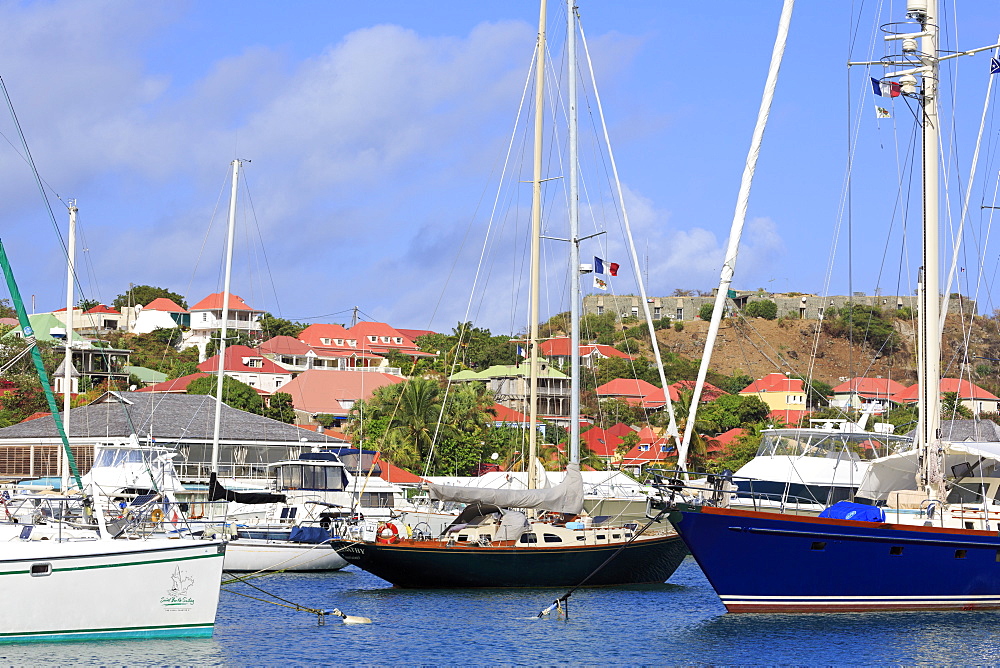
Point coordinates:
[[156, 516], [393, 536], [409, 531]]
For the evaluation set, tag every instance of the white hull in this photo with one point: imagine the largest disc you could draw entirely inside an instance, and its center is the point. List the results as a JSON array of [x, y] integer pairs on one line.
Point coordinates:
[[252, 555], [97, 589]]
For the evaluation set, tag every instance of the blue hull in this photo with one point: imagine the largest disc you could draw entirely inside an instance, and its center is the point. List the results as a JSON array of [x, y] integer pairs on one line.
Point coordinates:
[[768, 562]]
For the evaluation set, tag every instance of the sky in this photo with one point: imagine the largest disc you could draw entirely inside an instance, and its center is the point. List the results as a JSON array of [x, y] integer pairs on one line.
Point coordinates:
[[375, 135]]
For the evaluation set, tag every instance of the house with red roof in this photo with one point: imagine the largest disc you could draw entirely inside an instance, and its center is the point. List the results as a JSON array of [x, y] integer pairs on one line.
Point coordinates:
[[781, 393], [874, 394], [365, 345], [330, 392], [558, 351], [249, 366], [161, 313], [601, 443], [970, 395], [206, 320], [506, 416], [642, 393]]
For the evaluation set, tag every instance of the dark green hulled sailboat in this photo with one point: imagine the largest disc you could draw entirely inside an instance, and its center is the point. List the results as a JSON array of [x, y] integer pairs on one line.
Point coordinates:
[[492, 543]]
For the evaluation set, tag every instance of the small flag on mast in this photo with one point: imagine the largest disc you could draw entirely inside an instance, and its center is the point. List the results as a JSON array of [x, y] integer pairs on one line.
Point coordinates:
[[882, 112], [886, 88], [600, 283], [994, 65], [599, 266]]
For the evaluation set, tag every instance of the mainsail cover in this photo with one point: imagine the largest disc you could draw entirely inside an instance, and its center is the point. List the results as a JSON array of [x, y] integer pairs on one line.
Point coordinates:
[[566, 497]]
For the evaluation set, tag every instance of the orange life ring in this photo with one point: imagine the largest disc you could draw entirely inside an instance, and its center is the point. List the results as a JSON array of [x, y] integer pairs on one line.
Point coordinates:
[[388, 540]]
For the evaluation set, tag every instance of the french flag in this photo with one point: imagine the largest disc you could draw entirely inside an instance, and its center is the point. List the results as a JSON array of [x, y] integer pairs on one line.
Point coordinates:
[[886, 88], [599, 267]]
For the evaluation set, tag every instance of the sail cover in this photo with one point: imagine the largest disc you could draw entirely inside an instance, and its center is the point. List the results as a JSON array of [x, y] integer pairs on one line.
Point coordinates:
[[216, 492], [566, 497]]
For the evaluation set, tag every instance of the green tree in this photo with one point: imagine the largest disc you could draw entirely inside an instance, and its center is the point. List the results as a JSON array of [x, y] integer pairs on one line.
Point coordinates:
[[234, 393], [629, 441], [612, 411], [87, 304], [739, 452], [272, 326], [952, 408], [22, 396], [764, 308], [6, 310], [280, 408], [143, 294], [864, 324], [732, 410], [705, 312]]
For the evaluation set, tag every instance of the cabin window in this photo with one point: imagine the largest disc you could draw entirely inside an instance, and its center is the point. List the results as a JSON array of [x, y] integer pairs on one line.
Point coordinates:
[[960, 554], [289, 513], [551, 538], [602, 536], [616, 536], [462, 538], [39, 570], [296, 476], [818, 545], [528, 538], [376, 499], [896, 550]]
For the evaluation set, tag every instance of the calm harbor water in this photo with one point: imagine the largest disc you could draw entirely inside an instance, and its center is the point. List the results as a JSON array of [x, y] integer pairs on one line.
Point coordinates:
[[677, 623]]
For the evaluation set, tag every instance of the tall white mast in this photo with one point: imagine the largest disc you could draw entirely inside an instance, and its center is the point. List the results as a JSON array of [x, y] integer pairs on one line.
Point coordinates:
[[68, 362], [929, 343], [225, 317], [536, 234], [574, 239], [739, 217]]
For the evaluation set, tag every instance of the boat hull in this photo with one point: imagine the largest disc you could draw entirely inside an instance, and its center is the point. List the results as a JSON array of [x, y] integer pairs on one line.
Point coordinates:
[[767, 562], [252, 555], [433, 564], [109, 589]]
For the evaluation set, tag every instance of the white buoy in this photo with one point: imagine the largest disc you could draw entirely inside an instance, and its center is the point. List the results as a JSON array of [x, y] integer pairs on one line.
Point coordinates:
[[351, 619]]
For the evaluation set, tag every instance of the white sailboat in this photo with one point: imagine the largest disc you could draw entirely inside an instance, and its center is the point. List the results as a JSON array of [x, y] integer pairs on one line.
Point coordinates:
[[135, 588]]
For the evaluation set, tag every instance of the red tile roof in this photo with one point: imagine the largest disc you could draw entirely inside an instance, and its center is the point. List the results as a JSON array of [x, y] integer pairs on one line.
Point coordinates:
[[620, 429], [101, 308], [709, 392], [285, 345], [414, 334], [392, 473], [963, 388], [236, 360], [314, 334], [870, 387], [627, 387], [505, 415], [213, 302], [363, 330], [774, 382], [560, 347], [177, 385], [600, 442], [322, 390], [168, 305]]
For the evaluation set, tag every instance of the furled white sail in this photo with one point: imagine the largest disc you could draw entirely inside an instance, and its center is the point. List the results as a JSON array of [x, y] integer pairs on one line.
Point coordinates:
[[566, 497]]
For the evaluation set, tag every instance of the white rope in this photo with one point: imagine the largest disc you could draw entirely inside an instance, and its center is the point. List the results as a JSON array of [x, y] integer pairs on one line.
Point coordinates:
[[739, 217], [965, 206]]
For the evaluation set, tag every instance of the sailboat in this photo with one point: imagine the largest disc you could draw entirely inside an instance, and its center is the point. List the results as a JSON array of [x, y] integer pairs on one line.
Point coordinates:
[[492, 542], [133, 588], [921, 542]]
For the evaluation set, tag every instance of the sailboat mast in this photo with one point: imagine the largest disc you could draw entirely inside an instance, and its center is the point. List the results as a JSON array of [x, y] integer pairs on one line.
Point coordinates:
[[736, 229], [929, 342], [225, 317], [68, 362], [574, 238], [536, 236]]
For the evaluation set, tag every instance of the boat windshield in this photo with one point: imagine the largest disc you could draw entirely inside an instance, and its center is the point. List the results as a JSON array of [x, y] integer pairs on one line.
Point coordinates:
[[118, 457], [831, 444], [312, 477]]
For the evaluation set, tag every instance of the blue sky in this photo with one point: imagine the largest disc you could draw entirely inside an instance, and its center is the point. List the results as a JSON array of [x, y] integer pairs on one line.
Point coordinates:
[[374, 130]]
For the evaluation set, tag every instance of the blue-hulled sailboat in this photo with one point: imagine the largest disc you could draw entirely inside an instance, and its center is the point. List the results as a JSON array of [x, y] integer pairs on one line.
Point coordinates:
[[927, 536]]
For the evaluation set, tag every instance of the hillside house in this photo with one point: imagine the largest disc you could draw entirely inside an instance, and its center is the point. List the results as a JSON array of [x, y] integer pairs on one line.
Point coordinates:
[[970, 395], [510, 385], [206, 321], [558, 352], [330, 392], [249, 366]]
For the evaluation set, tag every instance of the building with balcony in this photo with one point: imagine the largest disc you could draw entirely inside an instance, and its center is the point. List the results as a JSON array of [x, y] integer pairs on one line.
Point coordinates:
[[206, 321], [511, 388]]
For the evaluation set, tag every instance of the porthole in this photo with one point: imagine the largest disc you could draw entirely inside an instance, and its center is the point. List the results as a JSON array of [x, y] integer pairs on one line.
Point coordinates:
[[41, 569]]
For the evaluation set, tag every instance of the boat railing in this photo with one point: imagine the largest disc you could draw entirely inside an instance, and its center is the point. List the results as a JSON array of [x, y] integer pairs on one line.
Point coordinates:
[[722, 490]]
